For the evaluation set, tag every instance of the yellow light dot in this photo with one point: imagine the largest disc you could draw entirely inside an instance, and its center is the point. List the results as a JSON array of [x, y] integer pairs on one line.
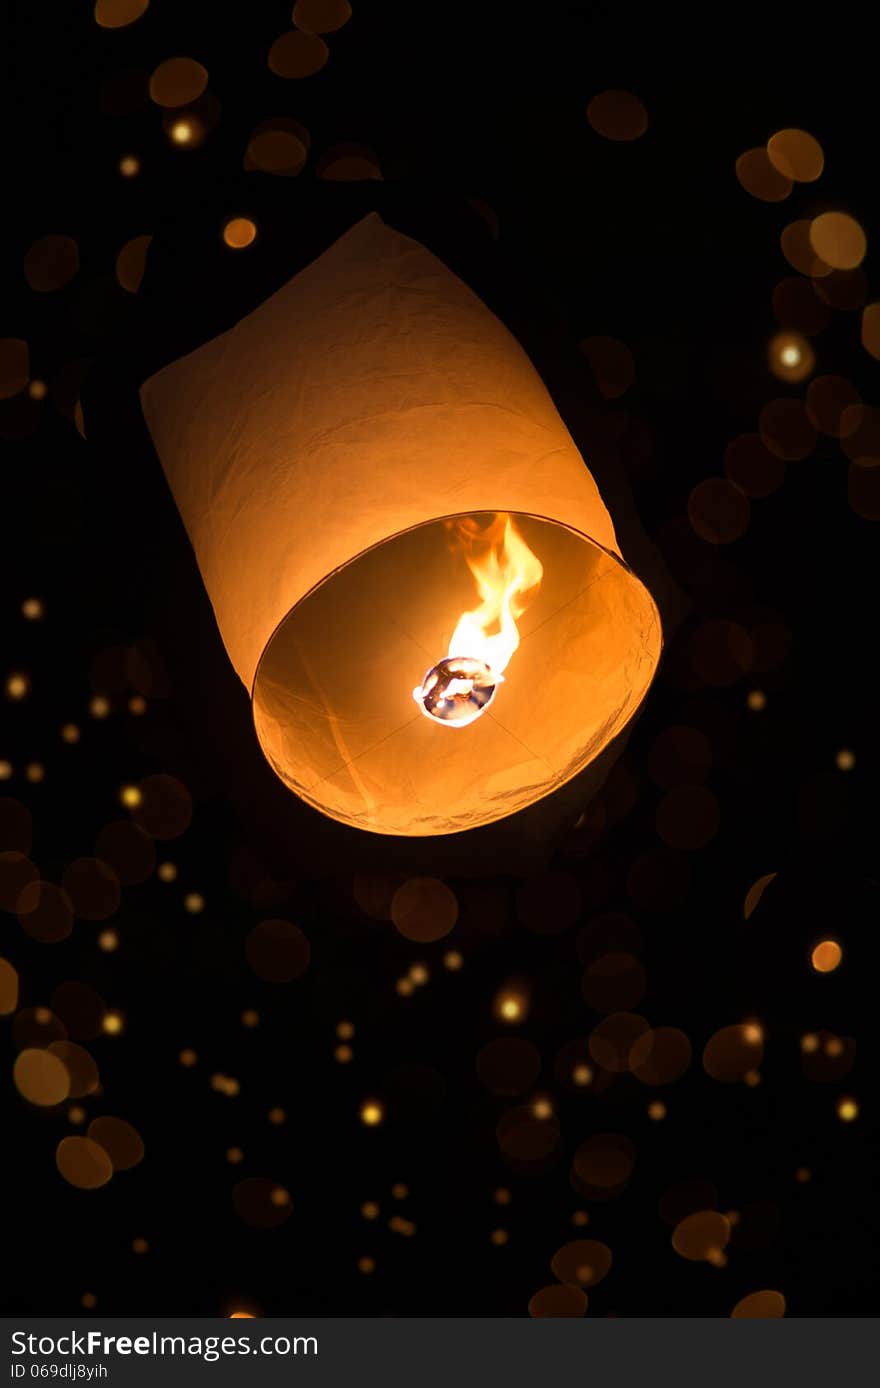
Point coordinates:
[[753, 1033], [452, 960], [809, 1042], [187, 1057], [405, 987], [234, 1155], [418, 974], [241, 1316], [194, 902], [129, 166], [582, 1074], [370, 1210], [580, 1218], [756, 700], [70, 733], [834, 1046], [790, 356], [502, 1196], [510, 1006], [5, 770], [76, 1114], [108, 941], [826, 956], [716, 1257], [139, 1245], [130, 796], [845, 759], [366, 1265], [657, 1110], [277, 1116], [239, 233], [372, 1113], [752, 1078], [17, 685], [499, 1237], [847, 1110], [345, 1030], [400, 1191], [137, 705], [343, 1054], [182, 132], [279, 1196], [111, 1023], [38, 390], [33, 608], [250, 1018], [166, 872], [542, 1108], [35, 772], [99, 707], [89, 1301]]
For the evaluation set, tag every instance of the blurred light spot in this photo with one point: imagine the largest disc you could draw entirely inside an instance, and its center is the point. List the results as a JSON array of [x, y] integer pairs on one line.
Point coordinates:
[[614, 983], [871, 329], [83, 1163], [580, 1218], [166, 872], [99, 707], [139, 1246], [612, 364], [786, 429], [759, 1306], [137, 705], [603, 1164], [343, 1054], [234, 1155], [791, 357], [17, 686], [847, 1110], [279, 146], [499, 1237], [45, 912], [510, 1006], [108, 941], [187, 1057], [93, 888], [88, 1299], [193, 903], [35, 772], [239, 233], [38, 390], [372, 1113], [845, 759], [613, 1038], [618, 115], [752, 467], [14, 366], [424, 909], [8, 988], [115, 14], [418, 975], [70, 733], [184, 131], [277, 951], [838, 240], [826, 956], [321, 16], [131, 263], [41, 1077], [51, 263], [349, 163], [277, 1116], [130, 796], [225, 1084], [701, 1235], [370, 1210], [129, 166], [657, 1111], [112, 1023], [5, 770], [122, 1143], [796, 154], [834, 406], [178, 81], [799, 251], [366, 1265], [452, 960], [760, 177], [297, 54], [718, 511], [261, 1202], [583, 1262], [755, 892], [733, 1051], [660, 1055], [557, 1302]]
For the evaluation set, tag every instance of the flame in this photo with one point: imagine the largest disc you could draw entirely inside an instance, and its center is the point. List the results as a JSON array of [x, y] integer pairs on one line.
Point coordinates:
[[507, 575]]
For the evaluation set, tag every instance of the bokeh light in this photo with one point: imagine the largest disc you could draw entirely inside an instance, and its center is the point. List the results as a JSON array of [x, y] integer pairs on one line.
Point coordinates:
[[838, 240], [618, 115], [796, 154], [826, 956], [239, 232]]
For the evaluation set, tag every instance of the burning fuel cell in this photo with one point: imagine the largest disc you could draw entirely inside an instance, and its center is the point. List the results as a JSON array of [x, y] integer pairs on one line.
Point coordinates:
[[410, 564]]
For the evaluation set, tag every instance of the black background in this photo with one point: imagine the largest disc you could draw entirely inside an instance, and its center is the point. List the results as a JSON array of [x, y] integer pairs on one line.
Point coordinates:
[[654, 243]]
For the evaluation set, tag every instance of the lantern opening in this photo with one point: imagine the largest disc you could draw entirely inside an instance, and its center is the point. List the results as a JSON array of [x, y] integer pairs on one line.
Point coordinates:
[[457, 691]]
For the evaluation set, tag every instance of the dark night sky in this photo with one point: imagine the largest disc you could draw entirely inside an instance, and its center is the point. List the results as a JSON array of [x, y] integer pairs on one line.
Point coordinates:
[[656, 244]]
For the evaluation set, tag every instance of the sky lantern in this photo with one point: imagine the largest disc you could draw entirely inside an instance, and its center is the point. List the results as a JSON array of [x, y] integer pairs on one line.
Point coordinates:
[[410, 564]]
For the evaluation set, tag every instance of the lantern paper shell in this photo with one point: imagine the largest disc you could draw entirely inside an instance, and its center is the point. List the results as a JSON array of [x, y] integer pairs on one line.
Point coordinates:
[[317, 452]]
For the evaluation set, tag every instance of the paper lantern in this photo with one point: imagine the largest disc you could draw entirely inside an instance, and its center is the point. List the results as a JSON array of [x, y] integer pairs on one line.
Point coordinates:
[[390, 516]]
